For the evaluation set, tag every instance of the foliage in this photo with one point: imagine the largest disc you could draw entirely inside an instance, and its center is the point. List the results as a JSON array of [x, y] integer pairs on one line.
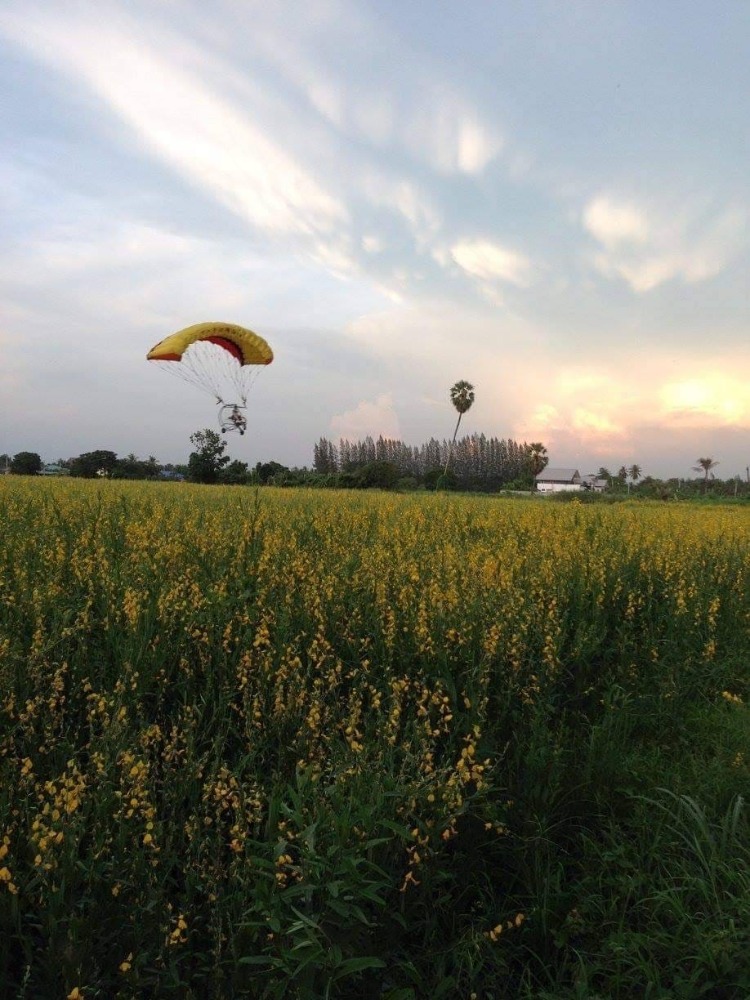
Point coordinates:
[[270, 472], [207, 461], [479, 462], [91, 464], [26, 463], [381, 475], [235, 474], [303, 744], [462, 398], [132, 467], [538, 460]]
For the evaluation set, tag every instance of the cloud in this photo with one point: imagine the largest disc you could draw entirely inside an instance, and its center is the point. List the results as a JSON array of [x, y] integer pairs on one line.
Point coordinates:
[[404, 199], [614, 223], [491, 262], [603, 411], [415, 110], [159, 88], [450, 136], [648, 246], [368, 418], [490, 265], [712, 399]]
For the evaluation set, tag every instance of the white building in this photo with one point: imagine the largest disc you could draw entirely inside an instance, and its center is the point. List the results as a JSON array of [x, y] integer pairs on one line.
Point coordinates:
[[557, 480], [595, 483]]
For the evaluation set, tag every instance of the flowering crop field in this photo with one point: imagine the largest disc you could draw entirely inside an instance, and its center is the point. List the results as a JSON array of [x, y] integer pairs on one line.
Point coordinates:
[[295, 743]]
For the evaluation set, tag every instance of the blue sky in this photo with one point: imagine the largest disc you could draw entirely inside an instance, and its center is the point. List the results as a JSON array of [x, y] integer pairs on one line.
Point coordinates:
[[550, 200]]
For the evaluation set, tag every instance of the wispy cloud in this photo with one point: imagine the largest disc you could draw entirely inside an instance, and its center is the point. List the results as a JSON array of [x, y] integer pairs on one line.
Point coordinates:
[[205, 136], [650, 245], [403, 198], [418, 111], [489, 262], [490, 266]]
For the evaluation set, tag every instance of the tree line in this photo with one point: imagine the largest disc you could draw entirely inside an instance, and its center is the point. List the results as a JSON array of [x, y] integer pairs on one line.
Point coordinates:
[[477, 462]]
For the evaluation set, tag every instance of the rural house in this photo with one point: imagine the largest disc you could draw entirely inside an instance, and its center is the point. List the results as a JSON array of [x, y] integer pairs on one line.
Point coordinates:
[[556, 480]]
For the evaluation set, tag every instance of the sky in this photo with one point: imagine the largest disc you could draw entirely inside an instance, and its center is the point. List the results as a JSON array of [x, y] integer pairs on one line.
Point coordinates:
[[550, 200]]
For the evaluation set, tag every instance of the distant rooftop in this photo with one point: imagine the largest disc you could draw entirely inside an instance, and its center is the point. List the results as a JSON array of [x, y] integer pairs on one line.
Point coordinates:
[[558, 476]]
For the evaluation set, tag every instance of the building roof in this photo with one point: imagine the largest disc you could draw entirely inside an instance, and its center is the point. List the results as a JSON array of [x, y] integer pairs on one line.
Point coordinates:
[[558, 476], [596, 480]]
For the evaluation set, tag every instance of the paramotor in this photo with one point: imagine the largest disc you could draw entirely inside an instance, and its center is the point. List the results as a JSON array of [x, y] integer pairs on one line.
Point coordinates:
[[222, 359]]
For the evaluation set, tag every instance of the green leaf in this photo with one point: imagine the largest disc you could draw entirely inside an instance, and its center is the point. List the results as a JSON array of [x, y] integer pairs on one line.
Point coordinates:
[[352, 965]]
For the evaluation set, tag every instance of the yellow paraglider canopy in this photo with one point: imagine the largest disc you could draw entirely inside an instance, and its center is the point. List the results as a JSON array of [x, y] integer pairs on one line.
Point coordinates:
[[244, 345]]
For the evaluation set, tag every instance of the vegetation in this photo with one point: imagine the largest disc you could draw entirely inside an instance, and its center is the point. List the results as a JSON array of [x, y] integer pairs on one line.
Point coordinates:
[[476, 461], [462, 398], [26, 463], [201, 685], [206, 463]]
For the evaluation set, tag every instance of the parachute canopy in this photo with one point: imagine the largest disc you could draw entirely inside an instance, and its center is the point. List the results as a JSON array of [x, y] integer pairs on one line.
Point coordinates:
[[220, 358]]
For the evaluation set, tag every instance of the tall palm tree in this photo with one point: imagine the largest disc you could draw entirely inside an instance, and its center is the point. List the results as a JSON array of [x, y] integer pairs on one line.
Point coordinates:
[[538, 460], [634, 472], [705, 465], [462, 396]]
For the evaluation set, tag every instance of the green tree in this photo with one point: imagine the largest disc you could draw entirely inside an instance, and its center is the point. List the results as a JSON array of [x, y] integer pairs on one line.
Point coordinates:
[[705, 465], [26, 463], [435, 479], [132, 467], [538, 460], [462, 397], [93, 463], [379, 475], [207, 461], [634, 473], [268, 471], [235, 474]]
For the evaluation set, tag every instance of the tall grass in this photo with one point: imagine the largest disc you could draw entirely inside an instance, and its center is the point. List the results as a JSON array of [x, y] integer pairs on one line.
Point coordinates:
[[270, 744]]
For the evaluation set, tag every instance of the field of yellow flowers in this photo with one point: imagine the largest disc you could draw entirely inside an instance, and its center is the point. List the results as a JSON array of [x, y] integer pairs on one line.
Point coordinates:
[[269, 743]]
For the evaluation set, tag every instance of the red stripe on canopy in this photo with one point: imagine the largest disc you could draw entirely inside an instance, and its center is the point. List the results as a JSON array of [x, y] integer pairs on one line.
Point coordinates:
[[228, 345]]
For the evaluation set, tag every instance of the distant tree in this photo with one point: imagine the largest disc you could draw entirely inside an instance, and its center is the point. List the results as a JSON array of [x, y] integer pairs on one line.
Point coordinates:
[[435, 478], [26, 463], [325, 458], [635, 472], [133, 467], [267, 471], [622, 474], [235, 474], [604, 473], [705, 465], [91, 463], [207, 461], [538, 460], [462, 397], [378, 474]]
